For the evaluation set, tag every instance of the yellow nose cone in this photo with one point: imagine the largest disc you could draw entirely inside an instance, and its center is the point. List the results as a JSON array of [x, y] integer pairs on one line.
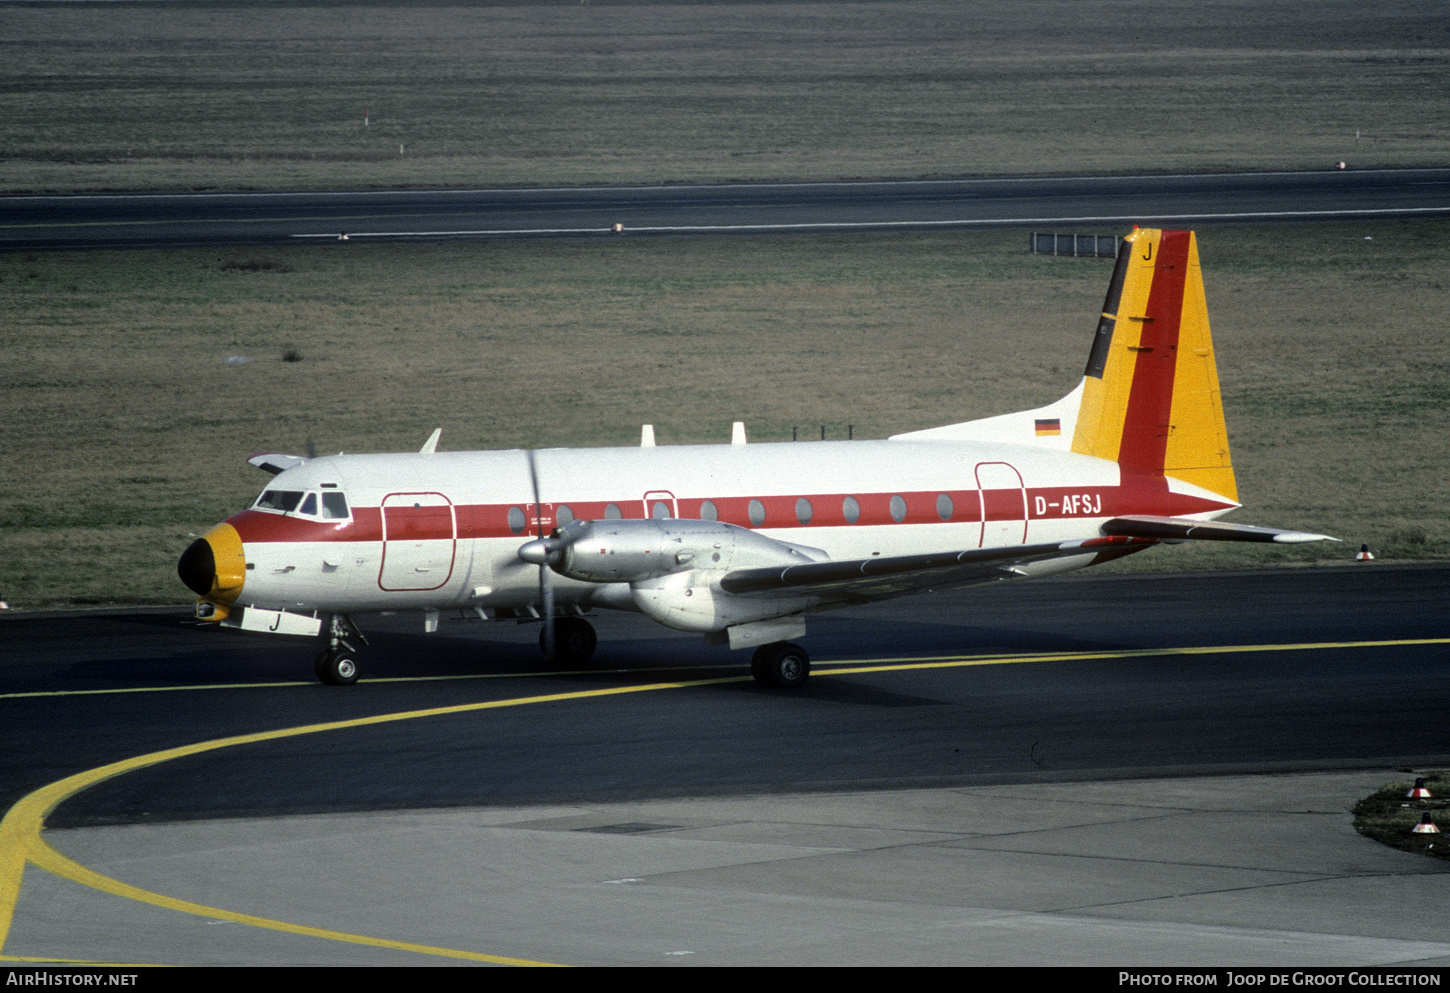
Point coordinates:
[[214, 567], [231, 562]]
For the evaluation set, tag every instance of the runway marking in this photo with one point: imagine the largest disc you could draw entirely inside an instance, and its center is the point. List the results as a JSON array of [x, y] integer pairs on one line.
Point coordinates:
[[298, 683], [20, 831], [1257, 215]]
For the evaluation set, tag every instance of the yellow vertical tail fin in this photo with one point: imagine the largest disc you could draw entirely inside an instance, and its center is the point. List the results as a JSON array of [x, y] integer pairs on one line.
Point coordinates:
[[1150, 397]]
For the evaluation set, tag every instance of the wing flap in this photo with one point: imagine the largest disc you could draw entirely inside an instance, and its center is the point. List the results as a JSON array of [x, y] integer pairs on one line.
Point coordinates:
[[1186, 529]]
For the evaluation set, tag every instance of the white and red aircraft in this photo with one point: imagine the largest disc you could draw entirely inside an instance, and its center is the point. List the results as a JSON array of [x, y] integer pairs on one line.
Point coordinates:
[[739, 542]]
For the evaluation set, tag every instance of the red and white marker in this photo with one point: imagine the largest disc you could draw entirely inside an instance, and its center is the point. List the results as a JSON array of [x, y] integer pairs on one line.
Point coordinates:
[[1426, 826], [1365, 555], [1418, 791]]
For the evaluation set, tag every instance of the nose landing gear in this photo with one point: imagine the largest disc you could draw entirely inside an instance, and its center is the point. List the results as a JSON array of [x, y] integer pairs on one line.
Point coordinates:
[[337, 665], [336, 668]]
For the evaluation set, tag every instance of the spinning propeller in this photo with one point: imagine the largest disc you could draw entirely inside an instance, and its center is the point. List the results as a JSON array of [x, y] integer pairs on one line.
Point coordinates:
[[544, 552]]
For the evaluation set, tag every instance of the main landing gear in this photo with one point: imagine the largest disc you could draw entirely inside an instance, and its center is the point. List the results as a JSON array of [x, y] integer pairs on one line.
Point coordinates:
[[574, 641], [781, 665], [337, 665]]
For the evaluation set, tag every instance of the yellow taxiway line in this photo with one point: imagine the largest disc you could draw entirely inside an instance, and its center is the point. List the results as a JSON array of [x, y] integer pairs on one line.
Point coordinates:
[[21, 843]]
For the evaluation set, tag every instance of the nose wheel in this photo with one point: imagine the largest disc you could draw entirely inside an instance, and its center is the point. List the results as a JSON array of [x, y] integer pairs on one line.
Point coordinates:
[[336, 668], [337, 665]]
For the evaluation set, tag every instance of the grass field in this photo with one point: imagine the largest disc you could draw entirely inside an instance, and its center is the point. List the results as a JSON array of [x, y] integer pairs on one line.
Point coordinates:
[[127, 428], [1388, 816], [267, 94]]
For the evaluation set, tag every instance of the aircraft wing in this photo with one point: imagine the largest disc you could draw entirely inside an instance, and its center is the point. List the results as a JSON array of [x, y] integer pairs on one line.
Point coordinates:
[[1185, 529], [878, 578]]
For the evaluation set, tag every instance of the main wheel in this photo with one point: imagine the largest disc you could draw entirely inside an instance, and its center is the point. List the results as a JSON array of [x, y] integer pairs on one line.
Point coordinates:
[[336, 668], [574, 640], [781, 664]]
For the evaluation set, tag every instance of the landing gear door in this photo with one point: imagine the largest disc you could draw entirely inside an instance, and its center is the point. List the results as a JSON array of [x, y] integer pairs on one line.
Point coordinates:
[[420, 540]]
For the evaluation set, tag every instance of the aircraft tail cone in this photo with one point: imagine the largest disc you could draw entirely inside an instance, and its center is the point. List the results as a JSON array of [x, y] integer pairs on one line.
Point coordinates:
[[1365, 555], [1426, 826], [1418, 791]]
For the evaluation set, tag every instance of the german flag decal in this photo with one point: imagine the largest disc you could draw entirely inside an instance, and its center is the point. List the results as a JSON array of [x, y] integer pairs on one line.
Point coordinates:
[[1048, 426]]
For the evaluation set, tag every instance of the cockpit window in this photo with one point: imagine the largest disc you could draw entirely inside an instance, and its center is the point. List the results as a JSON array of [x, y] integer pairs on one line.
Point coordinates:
[[334, 506], [284, 500]]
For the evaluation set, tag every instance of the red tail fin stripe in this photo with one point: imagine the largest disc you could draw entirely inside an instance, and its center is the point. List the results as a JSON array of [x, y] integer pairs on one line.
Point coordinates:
[[1150, 402]]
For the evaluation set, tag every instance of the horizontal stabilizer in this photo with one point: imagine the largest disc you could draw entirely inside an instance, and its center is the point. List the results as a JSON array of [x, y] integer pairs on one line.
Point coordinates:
[[1184, 529], [877, 578], [275, 463]]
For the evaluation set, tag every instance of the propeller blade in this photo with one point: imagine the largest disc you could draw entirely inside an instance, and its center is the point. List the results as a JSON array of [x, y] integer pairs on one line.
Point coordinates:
[[546, 582]]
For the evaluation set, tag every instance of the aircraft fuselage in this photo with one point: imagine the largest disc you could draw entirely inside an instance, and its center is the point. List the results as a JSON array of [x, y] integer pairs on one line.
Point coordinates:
[[444, 529]]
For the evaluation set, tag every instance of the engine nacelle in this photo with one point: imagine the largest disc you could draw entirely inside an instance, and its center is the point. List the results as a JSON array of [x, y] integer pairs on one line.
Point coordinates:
[[690, 601], [636, 551]]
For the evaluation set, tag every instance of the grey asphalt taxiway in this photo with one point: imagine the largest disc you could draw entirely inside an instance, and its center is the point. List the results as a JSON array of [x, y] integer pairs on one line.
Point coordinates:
[[1131, 770], [160, 220]]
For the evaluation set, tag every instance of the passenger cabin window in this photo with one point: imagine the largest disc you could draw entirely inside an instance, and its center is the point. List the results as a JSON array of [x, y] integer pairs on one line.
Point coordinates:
[[804, 511], [756, 511]]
